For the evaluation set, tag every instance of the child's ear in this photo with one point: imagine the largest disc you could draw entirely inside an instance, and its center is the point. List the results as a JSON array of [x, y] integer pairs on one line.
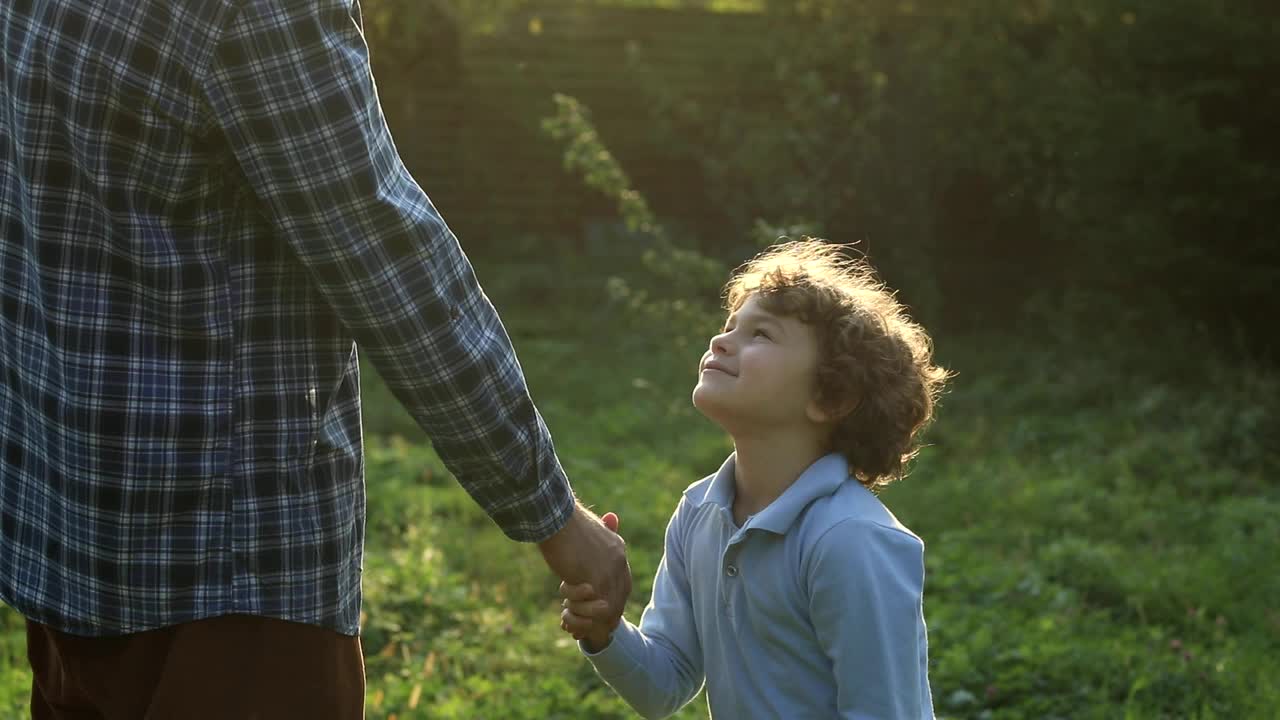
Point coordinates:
[[821, 412]]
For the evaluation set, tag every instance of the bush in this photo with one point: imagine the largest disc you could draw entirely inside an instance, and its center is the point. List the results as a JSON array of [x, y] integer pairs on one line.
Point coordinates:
[[988, 150]]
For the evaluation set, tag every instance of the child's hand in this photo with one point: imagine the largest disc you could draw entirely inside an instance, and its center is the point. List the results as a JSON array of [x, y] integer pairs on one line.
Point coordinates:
[[583, 615]]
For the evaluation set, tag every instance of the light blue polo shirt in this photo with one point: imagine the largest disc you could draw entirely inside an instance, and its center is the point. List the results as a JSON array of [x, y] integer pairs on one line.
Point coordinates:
[[812, 609]]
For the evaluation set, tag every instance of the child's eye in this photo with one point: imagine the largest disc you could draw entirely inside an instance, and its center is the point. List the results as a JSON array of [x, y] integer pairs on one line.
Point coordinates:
[[763, 334]]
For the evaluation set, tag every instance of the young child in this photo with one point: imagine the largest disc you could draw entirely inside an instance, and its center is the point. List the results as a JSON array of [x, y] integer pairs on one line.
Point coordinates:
[[785, 583]]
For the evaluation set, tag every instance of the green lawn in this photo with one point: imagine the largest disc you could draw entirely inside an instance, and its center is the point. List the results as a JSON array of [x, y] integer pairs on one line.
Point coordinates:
[[1101, 523]]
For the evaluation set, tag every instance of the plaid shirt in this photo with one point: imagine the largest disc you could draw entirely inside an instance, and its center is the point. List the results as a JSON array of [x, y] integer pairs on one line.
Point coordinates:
[[201, 212]]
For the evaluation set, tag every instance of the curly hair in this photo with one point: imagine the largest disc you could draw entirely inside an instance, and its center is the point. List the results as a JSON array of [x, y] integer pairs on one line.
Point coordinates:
[[875, 370]]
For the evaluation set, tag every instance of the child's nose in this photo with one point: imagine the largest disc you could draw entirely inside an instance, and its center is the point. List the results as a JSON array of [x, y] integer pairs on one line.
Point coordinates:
[[720, 344]]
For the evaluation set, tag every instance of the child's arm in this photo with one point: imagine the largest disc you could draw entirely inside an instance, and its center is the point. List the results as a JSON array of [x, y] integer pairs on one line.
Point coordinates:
[[657, 667], [866, 589]]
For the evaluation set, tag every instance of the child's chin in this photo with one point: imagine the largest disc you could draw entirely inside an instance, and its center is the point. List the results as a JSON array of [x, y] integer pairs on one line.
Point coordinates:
[[706, 403]]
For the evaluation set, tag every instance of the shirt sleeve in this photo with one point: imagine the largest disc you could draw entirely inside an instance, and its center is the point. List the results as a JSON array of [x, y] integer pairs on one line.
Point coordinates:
[[866, 593], [657, 667], [290, 91]]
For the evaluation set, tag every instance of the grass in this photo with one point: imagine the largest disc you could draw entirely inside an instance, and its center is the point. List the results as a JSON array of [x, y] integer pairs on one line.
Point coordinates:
[[1101, 523]]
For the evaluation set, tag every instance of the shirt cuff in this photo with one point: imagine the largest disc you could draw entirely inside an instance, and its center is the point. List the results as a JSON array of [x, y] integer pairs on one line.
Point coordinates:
[[561, 513], [620, 656], [541, 514]]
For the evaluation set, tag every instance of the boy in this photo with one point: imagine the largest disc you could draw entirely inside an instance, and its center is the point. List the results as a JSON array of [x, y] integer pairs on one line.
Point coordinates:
[[785, 583]]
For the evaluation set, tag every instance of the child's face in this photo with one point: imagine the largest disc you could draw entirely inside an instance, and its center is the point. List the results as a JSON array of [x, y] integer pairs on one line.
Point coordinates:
[[758, 373]]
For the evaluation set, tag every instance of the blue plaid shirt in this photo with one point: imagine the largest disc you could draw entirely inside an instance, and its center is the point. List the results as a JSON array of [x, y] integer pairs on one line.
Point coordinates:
[[201, 212]]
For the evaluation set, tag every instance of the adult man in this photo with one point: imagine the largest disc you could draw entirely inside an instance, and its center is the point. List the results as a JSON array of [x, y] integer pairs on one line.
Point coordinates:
[[200, 209]]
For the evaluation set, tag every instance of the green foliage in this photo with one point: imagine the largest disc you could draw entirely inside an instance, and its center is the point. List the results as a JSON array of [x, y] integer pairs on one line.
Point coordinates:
[[982, 151], [673, 291], [15, 678], [394, 24], [1121, 145], [585, 153]]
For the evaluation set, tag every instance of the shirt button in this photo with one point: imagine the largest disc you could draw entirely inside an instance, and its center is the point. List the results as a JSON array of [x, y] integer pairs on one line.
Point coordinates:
[[731, 571]]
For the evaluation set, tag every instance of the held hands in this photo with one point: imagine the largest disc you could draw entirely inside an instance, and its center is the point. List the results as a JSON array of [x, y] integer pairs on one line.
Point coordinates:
[[589, 553], [585, 615]]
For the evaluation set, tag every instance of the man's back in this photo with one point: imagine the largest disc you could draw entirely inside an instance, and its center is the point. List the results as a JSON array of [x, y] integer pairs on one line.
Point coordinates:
[[201, 209], [146, 304]]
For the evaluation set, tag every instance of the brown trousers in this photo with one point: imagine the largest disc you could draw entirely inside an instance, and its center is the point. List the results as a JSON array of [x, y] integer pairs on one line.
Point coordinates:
[[234, 667]]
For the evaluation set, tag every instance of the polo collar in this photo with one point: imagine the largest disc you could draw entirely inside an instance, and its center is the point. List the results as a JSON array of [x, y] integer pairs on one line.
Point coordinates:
[[721, 491], [820, 479]]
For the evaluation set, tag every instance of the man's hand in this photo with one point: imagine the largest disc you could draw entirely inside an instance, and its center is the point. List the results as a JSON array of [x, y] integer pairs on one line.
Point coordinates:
[[587, 551], [582, 606]]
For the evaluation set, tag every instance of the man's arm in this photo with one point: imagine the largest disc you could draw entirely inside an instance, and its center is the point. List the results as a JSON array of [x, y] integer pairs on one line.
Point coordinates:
[[289, 89], [866, 587]]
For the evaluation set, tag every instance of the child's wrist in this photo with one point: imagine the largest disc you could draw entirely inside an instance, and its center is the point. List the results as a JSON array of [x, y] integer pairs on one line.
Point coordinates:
[[594, 642]]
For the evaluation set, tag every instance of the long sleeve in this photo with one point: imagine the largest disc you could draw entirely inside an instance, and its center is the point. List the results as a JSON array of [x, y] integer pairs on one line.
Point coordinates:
[[657, 667], [866, 585], [290, 93]]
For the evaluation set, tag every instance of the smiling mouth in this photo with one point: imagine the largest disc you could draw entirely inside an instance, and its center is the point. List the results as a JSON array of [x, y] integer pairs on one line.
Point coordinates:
[[716, 368]]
